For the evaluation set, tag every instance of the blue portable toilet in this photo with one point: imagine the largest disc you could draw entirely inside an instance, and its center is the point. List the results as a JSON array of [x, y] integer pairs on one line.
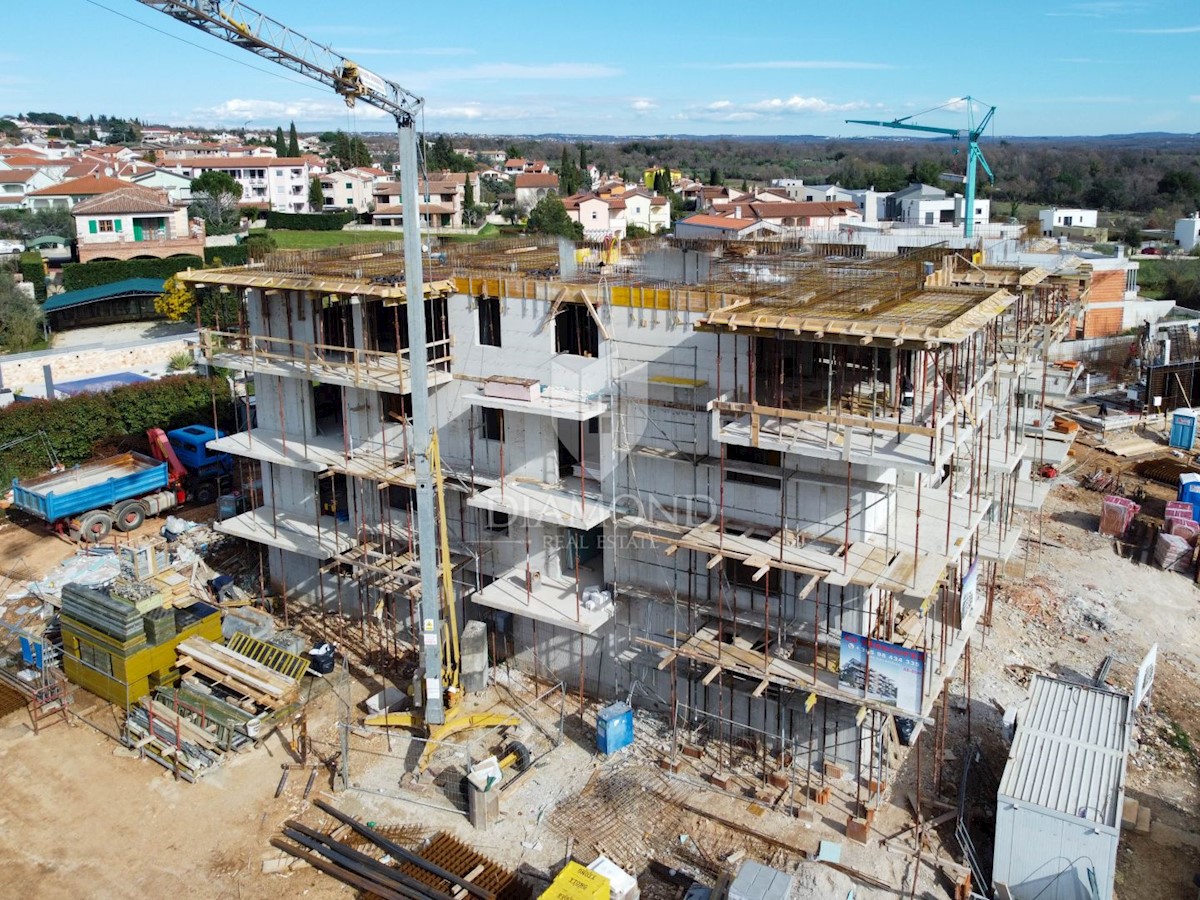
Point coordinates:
[[614, 727], [1189, 492], [1183, 429]]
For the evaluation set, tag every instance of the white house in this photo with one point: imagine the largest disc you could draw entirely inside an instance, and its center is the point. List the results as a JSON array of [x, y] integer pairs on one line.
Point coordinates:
[[442, 200], [280, 182], [646, 210], [709, 227], [178, 187], [134, 221], [823, 193], [599, 216], [924, 204], [347, 190], [793, 188], [76, 190], [1055, 218], [532, 187], [1187, 232], [870, 202], [15, 184]]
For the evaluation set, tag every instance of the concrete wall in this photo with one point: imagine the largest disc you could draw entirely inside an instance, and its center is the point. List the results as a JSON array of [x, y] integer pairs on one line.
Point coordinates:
[[25, 369]]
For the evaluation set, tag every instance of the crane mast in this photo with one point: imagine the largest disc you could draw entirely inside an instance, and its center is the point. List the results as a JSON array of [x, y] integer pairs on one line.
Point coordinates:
[[975, 157], [242, 25]]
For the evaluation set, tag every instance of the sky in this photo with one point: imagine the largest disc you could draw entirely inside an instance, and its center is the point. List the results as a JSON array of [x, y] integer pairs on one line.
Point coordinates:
[[628, 68]]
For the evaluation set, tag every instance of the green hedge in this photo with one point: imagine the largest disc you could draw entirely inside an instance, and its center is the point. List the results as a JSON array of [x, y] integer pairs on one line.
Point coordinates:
[[89, 426], [229, 256], [77, 276], [33, 270], [309, 221]]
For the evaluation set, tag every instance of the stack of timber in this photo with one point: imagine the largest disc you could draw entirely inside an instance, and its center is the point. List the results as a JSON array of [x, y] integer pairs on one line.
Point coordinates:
[[238, 673], [171, 739]]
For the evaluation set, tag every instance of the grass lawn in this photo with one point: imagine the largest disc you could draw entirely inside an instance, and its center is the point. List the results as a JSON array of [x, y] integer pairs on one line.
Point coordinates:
[[312, 240]]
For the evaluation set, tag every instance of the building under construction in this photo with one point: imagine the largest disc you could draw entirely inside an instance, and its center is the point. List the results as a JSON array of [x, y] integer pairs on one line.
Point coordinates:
[[764, 491]]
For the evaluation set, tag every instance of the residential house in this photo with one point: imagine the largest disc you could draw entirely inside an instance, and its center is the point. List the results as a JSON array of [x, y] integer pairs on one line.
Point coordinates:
[[442, 198], [178, 187], [1187, 232], [134, 222], [792, 187], [723, 228], [15, 184], [66, 194], [347, 190], [1065, 222], [822, 193], [519, 166], [794, 215], [281, 183], [924, 204], [601, 217], [533, 187], [710, 194], [209, 148], [870, 202], [651, 212]]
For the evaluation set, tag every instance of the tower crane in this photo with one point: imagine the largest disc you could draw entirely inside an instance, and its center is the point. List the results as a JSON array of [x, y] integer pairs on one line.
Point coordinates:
[[972, 134], [240, 24]]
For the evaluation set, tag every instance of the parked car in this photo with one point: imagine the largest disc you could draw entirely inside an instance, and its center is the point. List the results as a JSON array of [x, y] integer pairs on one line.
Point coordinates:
[[11, 247]]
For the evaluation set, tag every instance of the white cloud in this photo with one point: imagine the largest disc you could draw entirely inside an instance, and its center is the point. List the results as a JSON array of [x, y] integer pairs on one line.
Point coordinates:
[[798, 104], [770, 108], [1181, 29], [473, 111], [642, 104], [238, 110], [804, 64], [956, 104], [1195, 98]]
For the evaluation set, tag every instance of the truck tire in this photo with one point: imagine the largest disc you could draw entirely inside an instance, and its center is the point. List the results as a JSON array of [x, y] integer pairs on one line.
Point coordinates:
[[95, 526], [129, 516], [206, 492]]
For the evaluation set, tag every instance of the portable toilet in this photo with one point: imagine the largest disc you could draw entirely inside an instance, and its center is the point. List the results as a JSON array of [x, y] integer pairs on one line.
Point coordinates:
[[1189, 492], [1183, 429], [614, 728]]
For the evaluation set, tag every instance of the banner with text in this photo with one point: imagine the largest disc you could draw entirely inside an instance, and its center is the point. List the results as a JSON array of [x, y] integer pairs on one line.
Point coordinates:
[[886, 672]]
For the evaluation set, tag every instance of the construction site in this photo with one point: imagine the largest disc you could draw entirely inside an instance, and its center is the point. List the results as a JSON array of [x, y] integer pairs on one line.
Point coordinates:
[[741, 506], [683, 568]]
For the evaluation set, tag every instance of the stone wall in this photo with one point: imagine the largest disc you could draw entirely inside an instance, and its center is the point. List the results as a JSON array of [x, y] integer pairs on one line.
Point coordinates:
[[20, 369]]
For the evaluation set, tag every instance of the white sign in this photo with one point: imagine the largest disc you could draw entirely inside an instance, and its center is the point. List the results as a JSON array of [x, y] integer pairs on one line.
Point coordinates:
[[1145, 677]]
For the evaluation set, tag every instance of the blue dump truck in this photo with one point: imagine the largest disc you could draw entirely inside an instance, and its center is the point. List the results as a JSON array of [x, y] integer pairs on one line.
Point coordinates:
[[119, 492]]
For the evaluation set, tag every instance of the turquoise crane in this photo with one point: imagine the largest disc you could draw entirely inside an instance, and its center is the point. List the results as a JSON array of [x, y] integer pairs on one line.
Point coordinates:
[[972, 134]]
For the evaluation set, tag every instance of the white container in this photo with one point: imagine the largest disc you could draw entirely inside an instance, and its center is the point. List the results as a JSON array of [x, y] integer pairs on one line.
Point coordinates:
[[621, 885]]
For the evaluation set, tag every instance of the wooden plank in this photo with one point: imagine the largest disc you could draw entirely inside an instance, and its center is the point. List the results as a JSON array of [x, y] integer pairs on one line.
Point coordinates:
[[712, 673], [667, 660], [762, 686]]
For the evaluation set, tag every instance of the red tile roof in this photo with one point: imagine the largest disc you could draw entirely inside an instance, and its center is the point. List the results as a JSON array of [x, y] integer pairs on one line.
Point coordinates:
[[132, 198], [238, 162], [16, 176], [537, 180], [719, 221], [89, 186], [818, 209]]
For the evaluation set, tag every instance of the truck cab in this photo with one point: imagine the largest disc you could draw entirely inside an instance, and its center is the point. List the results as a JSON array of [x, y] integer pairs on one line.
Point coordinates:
[[191, 446]]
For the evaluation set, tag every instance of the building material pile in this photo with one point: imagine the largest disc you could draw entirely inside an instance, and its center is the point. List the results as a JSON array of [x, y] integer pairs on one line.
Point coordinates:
[[1173, 553], [446, 869], [239, 673], [1116, 514]]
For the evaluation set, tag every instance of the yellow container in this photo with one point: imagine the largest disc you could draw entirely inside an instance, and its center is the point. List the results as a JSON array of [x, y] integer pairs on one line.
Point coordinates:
[[576, 882]]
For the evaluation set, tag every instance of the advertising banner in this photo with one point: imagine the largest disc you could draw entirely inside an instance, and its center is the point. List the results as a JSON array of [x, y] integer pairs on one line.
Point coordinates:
[[887, 673]]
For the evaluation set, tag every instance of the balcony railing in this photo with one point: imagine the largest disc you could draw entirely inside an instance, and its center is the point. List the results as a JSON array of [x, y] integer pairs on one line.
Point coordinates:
[[353, 366]]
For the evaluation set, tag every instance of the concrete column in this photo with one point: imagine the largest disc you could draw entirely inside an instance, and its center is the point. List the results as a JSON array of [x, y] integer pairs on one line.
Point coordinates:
[[474, 657]]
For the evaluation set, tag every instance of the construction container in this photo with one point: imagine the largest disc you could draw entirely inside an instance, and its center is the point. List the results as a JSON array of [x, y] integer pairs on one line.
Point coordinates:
[[1183, 429], [1189, 492], [1060, 800], [614, 728]]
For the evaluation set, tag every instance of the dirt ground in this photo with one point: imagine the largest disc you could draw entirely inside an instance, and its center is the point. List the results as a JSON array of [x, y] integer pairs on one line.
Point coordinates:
[[80, 816]]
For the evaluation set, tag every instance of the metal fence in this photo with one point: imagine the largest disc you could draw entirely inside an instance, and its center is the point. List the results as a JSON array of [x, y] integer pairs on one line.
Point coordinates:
[[396, 763], [976, 793]]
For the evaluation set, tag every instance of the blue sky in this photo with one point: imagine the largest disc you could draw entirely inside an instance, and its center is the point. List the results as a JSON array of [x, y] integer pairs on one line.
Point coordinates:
[[622, 67]]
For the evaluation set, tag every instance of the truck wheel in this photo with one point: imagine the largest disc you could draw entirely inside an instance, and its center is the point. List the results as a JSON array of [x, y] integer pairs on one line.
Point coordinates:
[[129, 517], [95, 526], [206, 492]]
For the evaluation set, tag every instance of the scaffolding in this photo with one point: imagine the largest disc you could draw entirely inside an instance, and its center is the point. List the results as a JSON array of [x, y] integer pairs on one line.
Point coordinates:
[[773, 365]]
